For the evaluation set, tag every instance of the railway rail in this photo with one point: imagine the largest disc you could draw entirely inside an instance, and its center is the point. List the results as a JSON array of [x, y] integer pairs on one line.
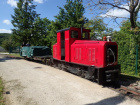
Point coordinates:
[[131, 90]]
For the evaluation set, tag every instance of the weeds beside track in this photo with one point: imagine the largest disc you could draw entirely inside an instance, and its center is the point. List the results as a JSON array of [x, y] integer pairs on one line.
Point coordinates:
[[1, 92]]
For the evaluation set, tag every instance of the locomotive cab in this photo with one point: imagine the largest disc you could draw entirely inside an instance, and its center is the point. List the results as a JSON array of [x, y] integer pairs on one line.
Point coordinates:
[[65, 38]]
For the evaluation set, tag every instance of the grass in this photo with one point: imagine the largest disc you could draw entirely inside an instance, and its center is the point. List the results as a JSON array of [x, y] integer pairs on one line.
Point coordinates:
[[14, 55], [127, 76], [131, 75], [1, 92], [4, 52]]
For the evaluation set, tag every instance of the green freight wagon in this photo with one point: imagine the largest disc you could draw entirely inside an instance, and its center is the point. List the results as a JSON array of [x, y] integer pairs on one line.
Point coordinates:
[[35, 52]]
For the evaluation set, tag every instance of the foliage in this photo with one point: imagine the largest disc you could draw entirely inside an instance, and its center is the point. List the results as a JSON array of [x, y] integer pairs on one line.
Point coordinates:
[[7, 43], [4, 36], [98, 28], [71, 15], [1, 92], [15, 55], [23, 22], [52, 37], [42, 28], [29, 27], [127, 40]]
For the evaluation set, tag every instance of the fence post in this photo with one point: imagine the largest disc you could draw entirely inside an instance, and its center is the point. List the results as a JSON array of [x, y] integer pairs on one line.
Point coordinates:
[[19, 49], [136, 58]]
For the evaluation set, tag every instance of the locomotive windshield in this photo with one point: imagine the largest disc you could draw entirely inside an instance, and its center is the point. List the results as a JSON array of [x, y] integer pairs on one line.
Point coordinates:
[[74, 34], [85, 35], [111, 54]]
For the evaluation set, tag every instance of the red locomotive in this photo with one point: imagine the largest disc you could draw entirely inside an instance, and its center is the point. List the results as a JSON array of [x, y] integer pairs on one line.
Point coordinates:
[[76, 53]]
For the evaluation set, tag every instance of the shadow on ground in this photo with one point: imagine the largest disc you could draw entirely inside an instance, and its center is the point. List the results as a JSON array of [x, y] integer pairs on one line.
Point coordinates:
[[126, 80], [110, 101], [3, 58]]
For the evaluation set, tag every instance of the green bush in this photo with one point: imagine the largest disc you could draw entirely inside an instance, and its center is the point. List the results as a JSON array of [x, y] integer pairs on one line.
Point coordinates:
[[127, 40], [7, 43], [4, 36]]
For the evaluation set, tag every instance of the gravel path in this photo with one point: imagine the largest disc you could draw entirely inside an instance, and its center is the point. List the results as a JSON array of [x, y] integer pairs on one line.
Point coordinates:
[[31, 83]]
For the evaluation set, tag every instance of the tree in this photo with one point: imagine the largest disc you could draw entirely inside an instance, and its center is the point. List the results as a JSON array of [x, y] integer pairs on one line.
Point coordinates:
[[131, 6], [52, 36], [8, 43], [4, 36], [42, 28], [23, 21], [71, 15], [97, 27]]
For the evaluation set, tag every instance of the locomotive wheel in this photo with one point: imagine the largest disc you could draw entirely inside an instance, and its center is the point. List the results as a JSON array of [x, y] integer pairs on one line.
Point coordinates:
[[25, 58], [83, 74], [60, 66], [79, 72], [87, 75], [48, 62], [44, 61], [64, 68], [31, 58], [55, 65]]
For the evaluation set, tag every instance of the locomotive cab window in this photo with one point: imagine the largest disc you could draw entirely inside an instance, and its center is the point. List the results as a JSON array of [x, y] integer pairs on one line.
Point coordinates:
[[62, 36], [74, 34], [85, 35], [62, 45]]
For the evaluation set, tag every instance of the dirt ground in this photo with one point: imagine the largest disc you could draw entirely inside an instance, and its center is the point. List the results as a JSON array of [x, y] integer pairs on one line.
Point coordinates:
[[30, 83]]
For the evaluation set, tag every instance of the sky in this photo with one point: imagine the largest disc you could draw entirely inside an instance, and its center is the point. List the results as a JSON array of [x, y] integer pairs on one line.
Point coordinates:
[[49, 9]]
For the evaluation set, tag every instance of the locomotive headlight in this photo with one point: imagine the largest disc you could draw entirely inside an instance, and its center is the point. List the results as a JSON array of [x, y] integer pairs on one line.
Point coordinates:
[[109, 38]]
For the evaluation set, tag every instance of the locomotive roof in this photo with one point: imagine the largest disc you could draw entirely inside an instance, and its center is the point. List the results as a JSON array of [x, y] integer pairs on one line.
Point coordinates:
[[63, 30], [66, 29]]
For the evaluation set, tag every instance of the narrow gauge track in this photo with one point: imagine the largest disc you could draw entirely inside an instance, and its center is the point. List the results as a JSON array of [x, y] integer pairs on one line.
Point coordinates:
[[132, 91]]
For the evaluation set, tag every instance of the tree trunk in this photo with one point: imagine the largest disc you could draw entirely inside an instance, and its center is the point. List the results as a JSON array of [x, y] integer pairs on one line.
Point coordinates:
[[132, 20]]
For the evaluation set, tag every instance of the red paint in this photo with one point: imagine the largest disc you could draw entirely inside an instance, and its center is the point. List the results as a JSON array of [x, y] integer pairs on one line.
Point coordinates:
[[90, 52], [57, 48], [67, 46], [87, 52]]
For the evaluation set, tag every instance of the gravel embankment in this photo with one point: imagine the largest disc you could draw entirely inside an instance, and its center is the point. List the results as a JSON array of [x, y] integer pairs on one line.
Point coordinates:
[[31, 83]]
